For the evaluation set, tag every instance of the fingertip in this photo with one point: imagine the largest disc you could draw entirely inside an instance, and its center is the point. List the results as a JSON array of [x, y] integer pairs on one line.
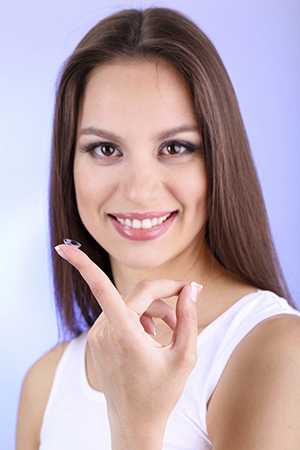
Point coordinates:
[[195, 290]]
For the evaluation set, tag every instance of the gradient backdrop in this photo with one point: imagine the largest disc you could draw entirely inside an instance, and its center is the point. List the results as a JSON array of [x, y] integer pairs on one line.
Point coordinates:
[[259, 44]]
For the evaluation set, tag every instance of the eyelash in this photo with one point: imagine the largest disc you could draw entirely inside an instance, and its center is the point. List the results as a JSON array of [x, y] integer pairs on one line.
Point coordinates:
[[190, 148]]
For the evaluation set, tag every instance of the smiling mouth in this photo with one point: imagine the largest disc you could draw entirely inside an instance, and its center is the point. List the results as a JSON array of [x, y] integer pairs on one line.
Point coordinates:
[[142, 216], [130, 221], [135, 232]]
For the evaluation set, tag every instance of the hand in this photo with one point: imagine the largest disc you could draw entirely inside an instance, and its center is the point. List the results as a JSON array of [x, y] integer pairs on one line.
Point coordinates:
[[141, 379]]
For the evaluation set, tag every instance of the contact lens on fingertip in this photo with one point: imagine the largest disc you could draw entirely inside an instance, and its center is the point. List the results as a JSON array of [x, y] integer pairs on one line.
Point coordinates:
[[72, 242]]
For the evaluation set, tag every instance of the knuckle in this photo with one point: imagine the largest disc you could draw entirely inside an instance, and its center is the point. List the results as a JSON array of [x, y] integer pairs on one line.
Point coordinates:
[[96, 289], [190, 318]]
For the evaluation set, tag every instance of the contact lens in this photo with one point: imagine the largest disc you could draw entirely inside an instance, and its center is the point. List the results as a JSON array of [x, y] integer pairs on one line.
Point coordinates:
[[72, 242]]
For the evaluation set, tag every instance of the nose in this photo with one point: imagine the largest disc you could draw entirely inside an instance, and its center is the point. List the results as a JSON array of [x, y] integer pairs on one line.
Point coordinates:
[[142, 185]]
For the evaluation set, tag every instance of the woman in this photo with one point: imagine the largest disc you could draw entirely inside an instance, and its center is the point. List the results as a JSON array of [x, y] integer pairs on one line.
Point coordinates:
[[202, 381]]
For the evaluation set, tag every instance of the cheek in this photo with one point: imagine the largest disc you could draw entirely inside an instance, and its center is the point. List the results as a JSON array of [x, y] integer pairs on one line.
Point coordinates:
[[88, 188], [91, 186], [85, 186], [191, 188]]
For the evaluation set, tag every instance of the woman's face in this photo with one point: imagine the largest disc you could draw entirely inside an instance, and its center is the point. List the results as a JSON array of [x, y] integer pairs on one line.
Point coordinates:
[[138, 171]]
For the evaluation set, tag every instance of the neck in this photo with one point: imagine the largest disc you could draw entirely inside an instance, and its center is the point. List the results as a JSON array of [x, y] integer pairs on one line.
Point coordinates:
[[192, 265]]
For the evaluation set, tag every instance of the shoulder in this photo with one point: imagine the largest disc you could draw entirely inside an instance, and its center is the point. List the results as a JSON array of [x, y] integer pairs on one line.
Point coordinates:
[[256, 402], [35, 390]]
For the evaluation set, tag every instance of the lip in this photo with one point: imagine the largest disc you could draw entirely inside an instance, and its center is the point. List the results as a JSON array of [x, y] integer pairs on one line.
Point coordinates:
[[140, 234], [141, 216]]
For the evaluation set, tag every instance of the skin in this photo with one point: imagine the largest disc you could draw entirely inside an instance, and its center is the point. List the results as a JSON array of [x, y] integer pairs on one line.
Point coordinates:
[[137, 100], [131, 359]]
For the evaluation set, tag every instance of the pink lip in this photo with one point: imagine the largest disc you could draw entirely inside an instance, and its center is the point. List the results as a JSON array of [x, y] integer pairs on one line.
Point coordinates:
[[141, 216], [140, 234]]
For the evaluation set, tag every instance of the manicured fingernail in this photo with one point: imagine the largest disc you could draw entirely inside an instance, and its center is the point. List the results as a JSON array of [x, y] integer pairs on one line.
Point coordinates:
[[196, 288], [69, 242], [60, 252]]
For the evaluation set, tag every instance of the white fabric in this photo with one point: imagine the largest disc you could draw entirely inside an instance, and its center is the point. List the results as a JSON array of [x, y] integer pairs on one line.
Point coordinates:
[[76, 417]]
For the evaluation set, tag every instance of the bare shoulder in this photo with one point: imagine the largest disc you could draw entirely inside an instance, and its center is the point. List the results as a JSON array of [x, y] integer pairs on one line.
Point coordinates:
[[35, 390], [256, 402]]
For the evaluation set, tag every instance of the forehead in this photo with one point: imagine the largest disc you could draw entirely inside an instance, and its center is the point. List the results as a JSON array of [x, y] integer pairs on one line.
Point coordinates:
[[144, 91]]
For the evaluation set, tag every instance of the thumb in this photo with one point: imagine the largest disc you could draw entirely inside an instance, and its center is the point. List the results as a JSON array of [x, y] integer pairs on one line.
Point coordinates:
[[186, 330]]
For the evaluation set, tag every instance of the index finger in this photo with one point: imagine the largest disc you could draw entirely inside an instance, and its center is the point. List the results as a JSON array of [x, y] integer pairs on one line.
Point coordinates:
[[106, 294]]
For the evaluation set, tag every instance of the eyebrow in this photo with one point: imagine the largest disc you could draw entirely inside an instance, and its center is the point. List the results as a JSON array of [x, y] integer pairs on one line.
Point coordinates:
[[110, 135]]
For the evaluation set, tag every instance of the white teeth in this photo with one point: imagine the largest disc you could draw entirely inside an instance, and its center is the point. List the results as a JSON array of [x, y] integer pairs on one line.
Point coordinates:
[[145, 224]]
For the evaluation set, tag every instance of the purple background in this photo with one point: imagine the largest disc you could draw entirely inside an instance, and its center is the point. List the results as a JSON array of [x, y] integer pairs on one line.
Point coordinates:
[[259, 44]]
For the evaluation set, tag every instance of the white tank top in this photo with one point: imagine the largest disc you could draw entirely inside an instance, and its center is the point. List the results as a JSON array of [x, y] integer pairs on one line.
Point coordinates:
[[76, 417]]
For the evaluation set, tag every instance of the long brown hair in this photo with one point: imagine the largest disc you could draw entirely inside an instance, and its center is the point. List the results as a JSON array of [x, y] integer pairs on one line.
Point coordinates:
[[237, 232]]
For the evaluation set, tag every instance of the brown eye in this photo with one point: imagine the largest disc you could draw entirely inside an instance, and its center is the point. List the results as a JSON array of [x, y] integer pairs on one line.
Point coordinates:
[[187, 148], [174, 148], [90, 148]]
